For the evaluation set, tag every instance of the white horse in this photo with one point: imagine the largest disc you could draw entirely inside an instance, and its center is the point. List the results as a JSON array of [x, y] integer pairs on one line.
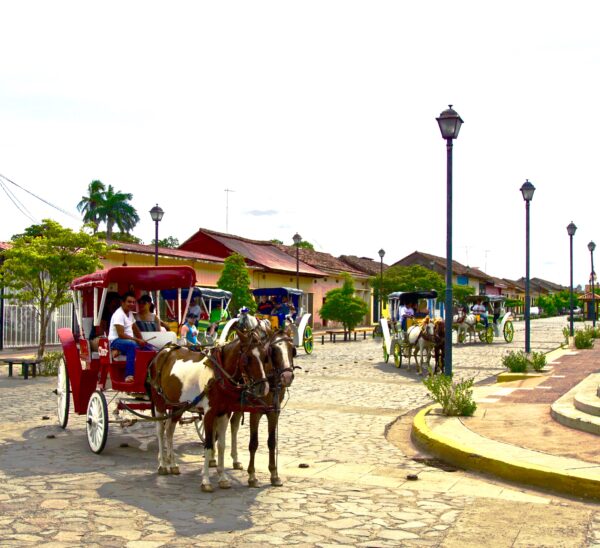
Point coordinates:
[[420, 339], [465, 324]]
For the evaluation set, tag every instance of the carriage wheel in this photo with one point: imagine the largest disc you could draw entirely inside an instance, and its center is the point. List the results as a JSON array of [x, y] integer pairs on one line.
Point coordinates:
[[386, 355], [199, 424], [509, 331], [487, 334], [97, 422], [397, 355], [308, 341], [63, 397]]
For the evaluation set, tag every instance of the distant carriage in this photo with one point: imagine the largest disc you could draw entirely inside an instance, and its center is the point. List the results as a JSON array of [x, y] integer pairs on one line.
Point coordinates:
[[500, 322]]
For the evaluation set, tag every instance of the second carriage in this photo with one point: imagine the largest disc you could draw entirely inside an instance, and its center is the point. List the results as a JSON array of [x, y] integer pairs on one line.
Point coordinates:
[[296, 319], [394, 341], [500, 321]]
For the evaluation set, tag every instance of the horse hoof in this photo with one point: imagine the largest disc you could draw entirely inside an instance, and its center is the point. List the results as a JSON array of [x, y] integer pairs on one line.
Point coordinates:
[[212, 463], [207, 488], [162, 471], [253, 483], [224, 484], [238, 466], [276, 482], [175, 470]]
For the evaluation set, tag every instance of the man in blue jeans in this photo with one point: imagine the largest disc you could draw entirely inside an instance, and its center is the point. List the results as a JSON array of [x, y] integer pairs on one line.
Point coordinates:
[[124, 335]]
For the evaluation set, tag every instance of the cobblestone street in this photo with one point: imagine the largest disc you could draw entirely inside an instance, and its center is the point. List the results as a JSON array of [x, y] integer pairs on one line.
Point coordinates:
[[354, 490]]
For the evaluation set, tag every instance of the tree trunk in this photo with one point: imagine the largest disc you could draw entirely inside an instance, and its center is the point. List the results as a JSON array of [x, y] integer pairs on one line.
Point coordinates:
[[44, 319]]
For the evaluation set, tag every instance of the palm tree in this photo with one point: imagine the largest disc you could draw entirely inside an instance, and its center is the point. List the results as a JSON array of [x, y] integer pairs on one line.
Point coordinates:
[[115, 209], [89, 204]]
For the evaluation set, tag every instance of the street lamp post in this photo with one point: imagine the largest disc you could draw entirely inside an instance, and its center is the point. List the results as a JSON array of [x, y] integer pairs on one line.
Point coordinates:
[[527, 190], [157, 214], [297, 239], [591, 247], [571, 231], [381, 255], [449, 122]]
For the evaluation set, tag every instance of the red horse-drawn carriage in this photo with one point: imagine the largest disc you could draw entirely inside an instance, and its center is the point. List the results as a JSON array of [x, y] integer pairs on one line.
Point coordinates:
[[87, 373]]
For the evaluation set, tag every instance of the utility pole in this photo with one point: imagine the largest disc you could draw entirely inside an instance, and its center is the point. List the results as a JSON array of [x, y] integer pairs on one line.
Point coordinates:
[[227, 191]]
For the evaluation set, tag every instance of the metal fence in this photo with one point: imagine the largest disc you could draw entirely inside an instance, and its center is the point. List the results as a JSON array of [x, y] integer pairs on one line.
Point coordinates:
[[21, 326]]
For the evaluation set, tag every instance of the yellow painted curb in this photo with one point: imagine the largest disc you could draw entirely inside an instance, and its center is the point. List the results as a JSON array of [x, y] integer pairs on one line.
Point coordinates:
[[572, 483], [508, 377]]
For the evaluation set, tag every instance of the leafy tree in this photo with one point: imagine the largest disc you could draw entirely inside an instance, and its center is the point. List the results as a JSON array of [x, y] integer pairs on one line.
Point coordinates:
[[41, 264], [104, 204], [120, 237], [305, 245], [459, 292], [235, 278], [548, 304], [276, 241], [169, 241], [115, 209], [342, 306], [89, 204], [408, 278]]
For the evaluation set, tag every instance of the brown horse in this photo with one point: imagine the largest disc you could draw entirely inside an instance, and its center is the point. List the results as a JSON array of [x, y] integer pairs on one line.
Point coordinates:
[[218, 382], [280, 372], [439, 337]]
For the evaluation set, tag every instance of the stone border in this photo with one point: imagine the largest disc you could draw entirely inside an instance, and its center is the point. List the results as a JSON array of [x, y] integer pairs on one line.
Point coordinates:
[[575, 483]]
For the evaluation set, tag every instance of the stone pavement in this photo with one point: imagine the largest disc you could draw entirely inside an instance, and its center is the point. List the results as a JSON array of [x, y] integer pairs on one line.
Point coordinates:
[[348, 418]]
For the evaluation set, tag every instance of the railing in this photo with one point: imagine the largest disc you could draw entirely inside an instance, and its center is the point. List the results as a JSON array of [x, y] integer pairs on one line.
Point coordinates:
[[21, 325]]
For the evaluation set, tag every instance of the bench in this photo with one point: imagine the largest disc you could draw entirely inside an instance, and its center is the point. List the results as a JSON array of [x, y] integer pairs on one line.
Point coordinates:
[[25, 363], [334, 332]]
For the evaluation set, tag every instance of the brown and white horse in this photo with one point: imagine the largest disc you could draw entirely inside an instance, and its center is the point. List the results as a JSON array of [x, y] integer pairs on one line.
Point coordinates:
[[420, 341], [217, 382], [280, 372]]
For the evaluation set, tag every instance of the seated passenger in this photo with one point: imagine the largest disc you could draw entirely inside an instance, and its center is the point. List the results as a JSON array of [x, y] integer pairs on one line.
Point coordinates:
[[479, 308], [146, 319], [124, 335], [265, 306], [217, 315], [189, 329], [406, 311]]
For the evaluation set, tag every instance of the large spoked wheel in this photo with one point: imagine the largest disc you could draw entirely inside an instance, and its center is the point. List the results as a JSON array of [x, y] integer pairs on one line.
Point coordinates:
[[486, 334], [97, 422], [63, 397], [308, 341], [199, 424], [509, 331], [386, 355], [397, 355]]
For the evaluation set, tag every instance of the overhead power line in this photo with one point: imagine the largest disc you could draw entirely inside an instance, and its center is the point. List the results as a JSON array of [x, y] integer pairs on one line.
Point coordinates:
[[41, 199], [16, 202]]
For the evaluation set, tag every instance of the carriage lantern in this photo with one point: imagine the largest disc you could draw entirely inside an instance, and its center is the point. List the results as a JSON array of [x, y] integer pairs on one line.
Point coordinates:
[[381, 253], [297, 239]]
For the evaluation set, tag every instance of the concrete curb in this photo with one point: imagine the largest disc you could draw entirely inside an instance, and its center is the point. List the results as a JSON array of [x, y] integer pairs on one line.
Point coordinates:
[[574, 482]]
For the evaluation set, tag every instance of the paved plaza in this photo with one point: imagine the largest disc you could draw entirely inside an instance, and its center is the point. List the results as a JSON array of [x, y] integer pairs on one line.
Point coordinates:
[[352, 488]]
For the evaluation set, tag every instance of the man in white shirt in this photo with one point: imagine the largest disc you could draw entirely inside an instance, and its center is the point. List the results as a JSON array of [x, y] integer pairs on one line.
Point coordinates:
[[479, 308], [124, 335]]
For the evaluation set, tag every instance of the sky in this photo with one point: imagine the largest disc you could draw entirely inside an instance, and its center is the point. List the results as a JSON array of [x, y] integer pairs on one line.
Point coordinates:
[[320, 116]]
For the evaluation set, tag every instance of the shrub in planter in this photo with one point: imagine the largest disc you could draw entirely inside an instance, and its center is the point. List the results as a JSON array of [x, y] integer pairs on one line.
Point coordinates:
[[516, 362], [456, 399], [537, 360], [583, 339]]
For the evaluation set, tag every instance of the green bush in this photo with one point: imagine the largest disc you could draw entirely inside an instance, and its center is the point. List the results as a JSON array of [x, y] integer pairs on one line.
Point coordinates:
[[566, 332], [537, 360], [516, 362], [519, 362], [456, 399], [583, 339], [593, 331], [50, 362]]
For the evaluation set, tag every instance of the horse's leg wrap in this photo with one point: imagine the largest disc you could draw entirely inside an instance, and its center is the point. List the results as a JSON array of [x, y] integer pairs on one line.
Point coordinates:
[[235, 428], [160, 435], [222, 422], [209, 420], [170, 431]]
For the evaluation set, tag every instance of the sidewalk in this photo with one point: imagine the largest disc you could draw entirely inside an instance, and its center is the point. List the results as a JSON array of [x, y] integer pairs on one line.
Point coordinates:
[[515, 433]]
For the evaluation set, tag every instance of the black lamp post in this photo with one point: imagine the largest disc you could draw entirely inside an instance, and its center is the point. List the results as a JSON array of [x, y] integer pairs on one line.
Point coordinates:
[[450, 123], [527, 190], [297, 239], [591, 247], [157, 214], [571, 231], [381, 255]]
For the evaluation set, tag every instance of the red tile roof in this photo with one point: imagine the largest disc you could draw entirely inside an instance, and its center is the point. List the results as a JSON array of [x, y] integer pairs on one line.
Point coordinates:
[[5, 245], [424, 259], [364, 264], [322, 261]]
